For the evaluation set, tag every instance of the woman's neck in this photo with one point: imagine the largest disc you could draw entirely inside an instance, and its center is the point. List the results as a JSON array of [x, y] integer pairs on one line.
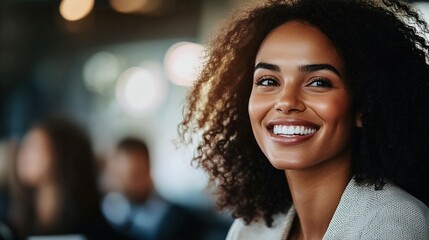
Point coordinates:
[[316, 193], [47, 206]]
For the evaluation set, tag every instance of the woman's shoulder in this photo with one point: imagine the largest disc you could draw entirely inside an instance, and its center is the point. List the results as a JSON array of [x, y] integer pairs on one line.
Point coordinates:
[[389, 213], [391, 199], [259, 230], [395, 197], [399, 212], [393, 202]]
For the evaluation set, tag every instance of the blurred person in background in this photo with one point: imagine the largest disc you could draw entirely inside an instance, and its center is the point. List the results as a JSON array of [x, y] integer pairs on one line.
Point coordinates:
[[132, 204], [7, 155], [56, 191]]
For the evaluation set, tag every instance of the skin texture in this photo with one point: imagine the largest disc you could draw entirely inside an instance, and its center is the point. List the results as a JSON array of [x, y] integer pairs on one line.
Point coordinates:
[[317, 166]]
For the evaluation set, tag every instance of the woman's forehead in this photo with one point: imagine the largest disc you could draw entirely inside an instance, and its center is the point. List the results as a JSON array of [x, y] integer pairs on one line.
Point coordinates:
[[300, 43]]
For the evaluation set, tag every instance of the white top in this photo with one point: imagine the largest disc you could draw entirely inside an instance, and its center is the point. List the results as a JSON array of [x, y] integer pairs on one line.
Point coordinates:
[[363, 213]]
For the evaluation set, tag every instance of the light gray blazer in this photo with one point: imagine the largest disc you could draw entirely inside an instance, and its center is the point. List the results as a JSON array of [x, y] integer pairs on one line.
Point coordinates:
[[363, 213]]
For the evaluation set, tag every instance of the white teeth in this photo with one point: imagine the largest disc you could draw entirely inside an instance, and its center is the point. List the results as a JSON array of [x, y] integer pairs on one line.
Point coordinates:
[[293, 130], [290, 130], [297, 129], [284, 129]]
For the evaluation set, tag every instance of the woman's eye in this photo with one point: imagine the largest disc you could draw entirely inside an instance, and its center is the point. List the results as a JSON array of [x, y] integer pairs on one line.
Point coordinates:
[[324, 83], [267, 82]]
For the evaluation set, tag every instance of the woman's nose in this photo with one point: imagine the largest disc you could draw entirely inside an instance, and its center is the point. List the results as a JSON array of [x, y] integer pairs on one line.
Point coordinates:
[[289, 101]]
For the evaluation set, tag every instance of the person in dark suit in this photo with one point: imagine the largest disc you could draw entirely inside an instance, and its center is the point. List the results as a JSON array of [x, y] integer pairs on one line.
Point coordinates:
[[132, 204]]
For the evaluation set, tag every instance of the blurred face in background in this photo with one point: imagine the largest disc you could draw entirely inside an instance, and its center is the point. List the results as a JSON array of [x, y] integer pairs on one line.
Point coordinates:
[[129, 174], [35, 158]]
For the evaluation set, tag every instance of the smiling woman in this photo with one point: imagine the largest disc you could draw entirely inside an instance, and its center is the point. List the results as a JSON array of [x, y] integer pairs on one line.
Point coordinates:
[[299, 87], [313, 116]]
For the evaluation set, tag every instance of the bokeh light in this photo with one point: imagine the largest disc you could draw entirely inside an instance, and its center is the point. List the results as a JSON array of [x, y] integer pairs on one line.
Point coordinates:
[[74, 10], [116, 207], [140, 91], [423, 7], [183, 62], [133, 6], [101, 71]]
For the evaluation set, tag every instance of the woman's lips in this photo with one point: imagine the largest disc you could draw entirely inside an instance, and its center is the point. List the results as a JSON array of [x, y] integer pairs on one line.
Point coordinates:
[[291, 130]]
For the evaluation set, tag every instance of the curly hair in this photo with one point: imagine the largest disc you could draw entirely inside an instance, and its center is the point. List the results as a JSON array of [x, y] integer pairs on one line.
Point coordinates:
[[385, 53]]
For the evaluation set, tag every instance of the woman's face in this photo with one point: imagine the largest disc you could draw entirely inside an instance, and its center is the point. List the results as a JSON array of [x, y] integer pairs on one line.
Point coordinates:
[[129, 174], [35, 158], [300, 108]]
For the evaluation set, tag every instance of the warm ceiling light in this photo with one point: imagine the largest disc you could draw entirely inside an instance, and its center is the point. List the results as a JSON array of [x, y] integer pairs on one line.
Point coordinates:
[[133, 6], [183, 62], [74, 10], [140, 91]]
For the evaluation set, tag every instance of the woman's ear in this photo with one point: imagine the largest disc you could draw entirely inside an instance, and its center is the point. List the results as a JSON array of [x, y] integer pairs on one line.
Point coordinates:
[[358, 120]]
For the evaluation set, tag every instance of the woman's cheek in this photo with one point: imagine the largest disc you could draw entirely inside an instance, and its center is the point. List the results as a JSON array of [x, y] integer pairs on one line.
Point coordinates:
[[331, 108], [259, 106]]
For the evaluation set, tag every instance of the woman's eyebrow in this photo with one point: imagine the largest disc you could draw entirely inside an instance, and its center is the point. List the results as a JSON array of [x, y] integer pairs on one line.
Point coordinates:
[[267, 66], [303, 68], [319, 67]]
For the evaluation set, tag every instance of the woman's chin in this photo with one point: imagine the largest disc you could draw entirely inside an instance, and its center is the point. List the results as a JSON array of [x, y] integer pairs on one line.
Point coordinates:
[[282, 164]]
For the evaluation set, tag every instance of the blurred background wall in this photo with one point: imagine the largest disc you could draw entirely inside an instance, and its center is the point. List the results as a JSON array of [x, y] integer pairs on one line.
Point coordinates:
[[120, 67]]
